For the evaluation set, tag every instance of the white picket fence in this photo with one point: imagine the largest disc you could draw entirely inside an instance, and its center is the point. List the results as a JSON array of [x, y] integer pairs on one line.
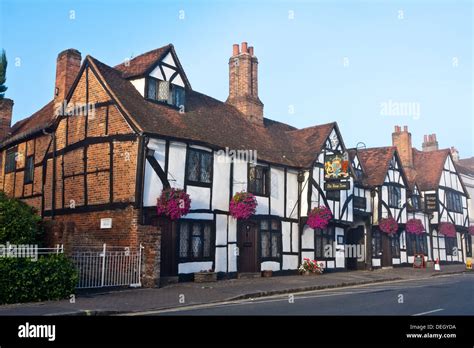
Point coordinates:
[[108, 266]]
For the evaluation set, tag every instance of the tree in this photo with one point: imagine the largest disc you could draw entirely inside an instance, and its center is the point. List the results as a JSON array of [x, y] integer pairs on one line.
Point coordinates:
[[3, 74]]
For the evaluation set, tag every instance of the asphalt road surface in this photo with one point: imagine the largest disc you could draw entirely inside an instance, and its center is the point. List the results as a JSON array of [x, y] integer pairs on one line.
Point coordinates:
[[441, 295]]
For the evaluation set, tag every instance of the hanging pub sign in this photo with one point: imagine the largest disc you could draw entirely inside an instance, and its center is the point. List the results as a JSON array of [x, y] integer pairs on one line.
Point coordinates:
[[336, 166], [337, 185], [431, 202]]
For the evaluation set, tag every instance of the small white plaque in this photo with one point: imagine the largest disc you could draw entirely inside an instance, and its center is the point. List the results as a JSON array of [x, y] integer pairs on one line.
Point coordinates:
[[106, 223]]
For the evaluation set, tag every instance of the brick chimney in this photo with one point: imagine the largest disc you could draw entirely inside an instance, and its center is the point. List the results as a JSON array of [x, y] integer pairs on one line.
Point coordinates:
[[243, 83], [6, 109], [454, 154], [430, 143], [402, 140], [67, 68]]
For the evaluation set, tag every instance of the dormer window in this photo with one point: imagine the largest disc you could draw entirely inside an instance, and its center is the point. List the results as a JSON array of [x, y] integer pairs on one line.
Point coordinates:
[[164, 92]]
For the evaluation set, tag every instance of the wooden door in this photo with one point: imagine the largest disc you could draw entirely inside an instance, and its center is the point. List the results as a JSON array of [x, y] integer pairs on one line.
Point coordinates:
[[386, 250], [247, 243], [355, 237], [169, 262]]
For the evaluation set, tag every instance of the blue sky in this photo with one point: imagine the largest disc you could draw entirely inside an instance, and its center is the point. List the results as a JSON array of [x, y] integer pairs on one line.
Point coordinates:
[[320, 61]]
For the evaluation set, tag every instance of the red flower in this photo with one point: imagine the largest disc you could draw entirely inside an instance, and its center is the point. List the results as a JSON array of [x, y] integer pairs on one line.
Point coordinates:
[[243, 205], [388, 225], [415, 226], [173, 203], [447, 229], [319, 217]]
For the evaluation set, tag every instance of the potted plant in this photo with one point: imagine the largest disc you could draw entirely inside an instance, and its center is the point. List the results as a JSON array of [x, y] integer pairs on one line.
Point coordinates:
[[388, 225], [318, 218], [310, 267], [205, 276], [243, 205], [415, 226], [173, 203], [447, 229]]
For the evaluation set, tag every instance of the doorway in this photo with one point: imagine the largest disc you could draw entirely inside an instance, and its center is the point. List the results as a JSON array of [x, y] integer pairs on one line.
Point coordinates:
[[168, 264], [247, 243], [386, 250], [355, 240]]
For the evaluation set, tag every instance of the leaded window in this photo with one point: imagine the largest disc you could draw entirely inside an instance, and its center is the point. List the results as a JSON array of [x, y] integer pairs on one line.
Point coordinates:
[[270, 239], [151, 92], [10, 163], [394, 196], [323, 239], [395, 244], [258, 180], [376, 244], [29, 169], [453, 201], [451, 246], [195, 240], [416, 244], [199, 167], [163, 91]]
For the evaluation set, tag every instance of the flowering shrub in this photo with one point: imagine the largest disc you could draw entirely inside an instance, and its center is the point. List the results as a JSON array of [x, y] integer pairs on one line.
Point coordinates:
[[319, 217], [415, 226], [448, 229], [173, 203], [388, 225], [471, 230], [243, 205], [309, 265]]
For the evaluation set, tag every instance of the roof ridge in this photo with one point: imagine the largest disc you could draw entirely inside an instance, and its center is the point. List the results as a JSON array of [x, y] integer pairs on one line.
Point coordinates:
[[144, 54]]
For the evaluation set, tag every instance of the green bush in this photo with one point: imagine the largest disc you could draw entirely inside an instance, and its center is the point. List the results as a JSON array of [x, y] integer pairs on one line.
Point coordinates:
[[19, 223], [51, 277]]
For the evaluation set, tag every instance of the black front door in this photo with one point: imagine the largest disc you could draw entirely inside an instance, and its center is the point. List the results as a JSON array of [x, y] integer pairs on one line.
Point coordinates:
[[386, 250], [355, 241], [169, 264], [247, 243]]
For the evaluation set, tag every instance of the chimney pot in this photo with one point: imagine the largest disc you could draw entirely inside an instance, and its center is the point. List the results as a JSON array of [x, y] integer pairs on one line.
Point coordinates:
[[244, 47], [251, 51], [235, 50], [405, 128]]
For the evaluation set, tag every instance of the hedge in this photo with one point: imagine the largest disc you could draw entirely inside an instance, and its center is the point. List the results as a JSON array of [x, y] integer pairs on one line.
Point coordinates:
[[19, 223], [51, 277]]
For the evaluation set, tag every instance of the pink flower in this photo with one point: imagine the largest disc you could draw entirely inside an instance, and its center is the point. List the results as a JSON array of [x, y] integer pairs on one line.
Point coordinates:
[[243, 205], [388, 225], [448, 229], [173, 203], [415, 226], [471, 230], [318, 218]]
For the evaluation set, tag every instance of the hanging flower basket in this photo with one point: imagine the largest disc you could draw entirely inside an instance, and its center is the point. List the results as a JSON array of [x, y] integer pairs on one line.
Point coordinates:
[[415, 226], [388, 225], [243, 205], [471, 230], [447, 229], [173, 203], [318, 218]]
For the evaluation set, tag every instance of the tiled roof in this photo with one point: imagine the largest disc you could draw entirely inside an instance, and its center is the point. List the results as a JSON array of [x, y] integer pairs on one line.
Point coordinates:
[[375, 163], [429, 166], [139, 65], [466, 166], [213, 122]]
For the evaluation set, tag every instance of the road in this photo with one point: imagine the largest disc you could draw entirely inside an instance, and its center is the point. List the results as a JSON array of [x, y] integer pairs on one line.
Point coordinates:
[[442, 295]]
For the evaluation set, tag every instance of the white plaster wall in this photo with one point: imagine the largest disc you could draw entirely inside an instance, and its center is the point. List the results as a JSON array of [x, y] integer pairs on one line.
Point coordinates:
[[221, 259], [240, 177], [139, 85], [307, 239], [291, 194], [277, 191], [262, 205], [221, 229], [285, 236], [200, 197], [290, 262], [176, 164], [270, 266], [220, 182], [192, 267], [295, 237]]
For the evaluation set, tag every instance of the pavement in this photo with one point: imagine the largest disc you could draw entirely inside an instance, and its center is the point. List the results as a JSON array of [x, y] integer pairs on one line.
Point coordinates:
[[189, 293]]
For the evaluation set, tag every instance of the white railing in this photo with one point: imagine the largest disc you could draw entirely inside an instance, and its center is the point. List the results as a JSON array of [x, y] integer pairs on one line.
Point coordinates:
[[59, 249], [108, 266]]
